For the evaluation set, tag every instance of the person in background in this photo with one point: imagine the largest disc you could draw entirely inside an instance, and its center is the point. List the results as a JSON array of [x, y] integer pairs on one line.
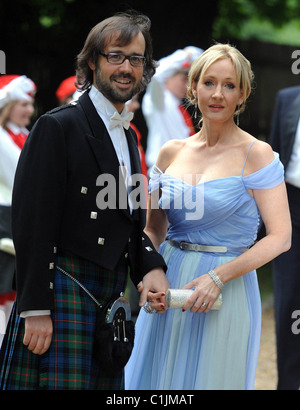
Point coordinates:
[[225, 180], [64, 231], [285, 139], [66, 90], [162, 105], [16, 109]]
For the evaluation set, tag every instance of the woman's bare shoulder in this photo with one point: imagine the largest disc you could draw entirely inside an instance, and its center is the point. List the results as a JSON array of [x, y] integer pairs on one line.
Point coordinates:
[[260, 155], [168, 153]]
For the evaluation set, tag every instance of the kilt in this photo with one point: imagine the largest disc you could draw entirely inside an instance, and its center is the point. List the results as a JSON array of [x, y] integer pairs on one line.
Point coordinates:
[[68, 364]]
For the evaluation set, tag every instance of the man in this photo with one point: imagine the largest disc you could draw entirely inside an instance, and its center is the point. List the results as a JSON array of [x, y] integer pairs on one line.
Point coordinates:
[[285, 139], [162, 107], [61, 222]]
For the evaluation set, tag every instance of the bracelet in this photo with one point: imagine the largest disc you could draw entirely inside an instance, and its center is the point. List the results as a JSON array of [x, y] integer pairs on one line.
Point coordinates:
[[216, 279]]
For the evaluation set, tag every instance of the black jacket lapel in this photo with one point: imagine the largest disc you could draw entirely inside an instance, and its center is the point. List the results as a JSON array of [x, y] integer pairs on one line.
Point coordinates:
[[136, 168], [103, 150], [134, 152]]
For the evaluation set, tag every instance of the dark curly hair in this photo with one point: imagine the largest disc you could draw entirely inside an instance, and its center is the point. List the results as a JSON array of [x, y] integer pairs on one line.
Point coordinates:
[[128, 24]]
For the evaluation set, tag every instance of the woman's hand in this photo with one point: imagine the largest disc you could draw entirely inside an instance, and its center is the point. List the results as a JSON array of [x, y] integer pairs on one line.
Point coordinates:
[[204, 296]]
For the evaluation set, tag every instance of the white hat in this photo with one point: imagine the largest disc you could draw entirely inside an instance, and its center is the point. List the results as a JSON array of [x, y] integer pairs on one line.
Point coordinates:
[[15, 87]]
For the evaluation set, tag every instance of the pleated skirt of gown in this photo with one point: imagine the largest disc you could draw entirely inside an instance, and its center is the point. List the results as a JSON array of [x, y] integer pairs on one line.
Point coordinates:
[[217, 350]]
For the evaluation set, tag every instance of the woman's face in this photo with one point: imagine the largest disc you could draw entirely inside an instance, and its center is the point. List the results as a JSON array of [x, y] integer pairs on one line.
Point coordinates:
[[218, 92], [21, 113]]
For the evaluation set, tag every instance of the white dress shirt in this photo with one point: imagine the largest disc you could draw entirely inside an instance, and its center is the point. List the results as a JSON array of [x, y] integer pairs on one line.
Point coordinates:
[[105, 109], [292, 173]]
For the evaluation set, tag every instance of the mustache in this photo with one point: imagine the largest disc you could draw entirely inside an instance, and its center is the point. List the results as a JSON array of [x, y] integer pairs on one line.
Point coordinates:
[[126, 75]]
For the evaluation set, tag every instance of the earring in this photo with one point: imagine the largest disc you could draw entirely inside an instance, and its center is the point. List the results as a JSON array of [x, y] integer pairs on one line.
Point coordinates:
[[238, 115], [195, 111], [195, 106]]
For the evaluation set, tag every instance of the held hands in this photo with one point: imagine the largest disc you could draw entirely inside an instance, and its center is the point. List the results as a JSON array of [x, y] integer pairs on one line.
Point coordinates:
[[38, 333], [153, 289], [155, 284]]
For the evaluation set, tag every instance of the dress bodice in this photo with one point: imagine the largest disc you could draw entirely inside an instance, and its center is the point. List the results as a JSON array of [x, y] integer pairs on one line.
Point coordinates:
[[215, 212]]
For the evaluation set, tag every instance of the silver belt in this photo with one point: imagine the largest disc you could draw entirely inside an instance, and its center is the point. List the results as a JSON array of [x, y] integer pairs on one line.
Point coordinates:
[[186, 246]]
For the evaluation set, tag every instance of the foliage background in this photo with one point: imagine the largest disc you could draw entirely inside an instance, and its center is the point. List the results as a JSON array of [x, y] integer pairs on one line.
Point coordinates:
[[41, 38]]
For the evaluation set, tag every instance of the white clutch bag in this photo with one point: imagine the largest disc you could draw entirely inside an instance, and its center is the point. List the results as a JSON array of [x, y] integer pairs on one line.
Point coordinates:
[[176, 298]]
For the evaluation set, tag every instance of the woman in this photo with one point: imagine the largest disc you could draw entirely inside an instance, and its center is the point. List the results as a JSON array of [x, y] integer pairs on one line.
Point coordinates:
[[236, 179], [16, 109]]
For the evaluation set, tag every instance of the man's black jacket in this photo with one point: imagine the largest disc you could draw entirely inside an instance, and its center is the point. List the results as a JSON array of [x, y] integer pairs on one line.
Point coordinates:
[[54, 203]]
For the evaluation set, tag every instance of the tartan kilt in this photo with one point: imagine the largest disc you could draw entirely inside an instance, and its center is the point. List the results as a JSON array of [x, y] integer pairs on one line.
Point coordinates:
[[68, 364]]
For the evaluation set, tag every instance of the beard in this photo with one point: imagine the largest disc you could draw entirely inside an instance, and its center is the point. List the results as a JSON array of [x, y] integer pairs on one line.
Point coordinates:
[[105, 86]]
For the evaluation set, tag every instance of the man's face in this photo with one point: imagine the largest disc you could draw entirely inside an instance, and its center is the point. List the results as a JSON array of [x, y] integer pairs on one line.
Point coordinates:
[[119, 83]]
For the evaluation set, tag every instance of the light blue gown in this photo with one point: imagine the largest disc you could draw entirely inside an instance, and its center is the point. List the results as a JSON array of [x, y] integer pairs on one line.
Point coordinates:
[[219, 349]]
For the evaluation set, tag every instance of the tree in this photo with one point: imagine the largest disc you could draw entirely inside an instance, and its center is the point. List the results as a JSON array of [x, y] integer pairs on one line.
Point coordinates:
[[270, 15], [41, 38]]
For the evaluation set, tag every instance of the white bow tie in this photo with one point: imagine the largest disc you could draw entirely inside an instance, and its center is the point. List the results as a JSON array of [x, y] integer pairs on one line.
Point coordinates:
[[123, 120]]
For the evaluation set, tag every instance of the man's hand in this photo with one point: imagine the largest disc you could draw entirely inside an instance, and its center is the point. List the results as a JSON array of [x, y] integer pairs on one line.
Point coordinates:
[[153, 289], [38, 333]]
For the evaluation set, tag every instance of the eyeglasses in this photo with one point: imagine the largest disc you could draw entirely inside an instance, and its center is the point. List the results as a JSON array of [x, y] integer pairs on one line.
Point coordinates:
[[118, 59]]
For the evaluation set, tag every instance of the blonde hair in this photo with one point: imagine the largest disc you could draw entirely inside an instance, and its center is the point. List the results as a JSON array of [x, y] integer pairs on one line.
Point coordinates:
[[5, 113], [217, 52]]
